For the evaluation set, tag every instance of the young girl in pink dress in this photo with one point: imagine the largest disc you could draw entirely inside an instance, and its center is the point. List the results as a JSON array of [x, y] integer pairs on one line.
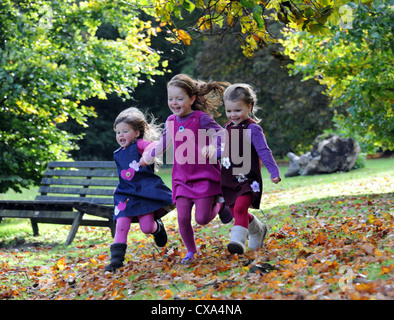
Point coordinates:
[[195, 178], [241, 181]]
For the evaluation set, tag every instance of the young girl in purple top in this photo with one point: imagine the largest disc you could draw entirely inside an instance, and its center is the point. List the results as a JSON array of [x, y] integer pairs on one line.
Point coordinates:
[[195, 179], [241, 180]]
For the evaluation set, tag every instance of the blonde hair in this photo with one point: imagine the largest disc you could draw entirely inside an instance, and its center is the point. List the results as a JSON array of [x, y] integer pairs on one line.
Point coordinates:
[[243, 92], [138, 121], [208, 94]]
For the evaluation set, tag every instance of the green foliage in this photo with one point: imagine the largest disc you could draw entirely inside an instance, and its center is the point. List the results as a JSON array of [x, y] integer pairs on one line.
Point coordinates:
[[52, 60], [99, 141], [292, 112], [354, 59]]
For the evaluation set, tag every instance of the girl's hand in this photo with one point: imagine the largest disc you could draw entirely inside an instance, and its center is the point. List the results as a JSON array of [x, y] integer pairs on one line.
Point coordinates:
[[143, 163], [276, 180], [208, 151]]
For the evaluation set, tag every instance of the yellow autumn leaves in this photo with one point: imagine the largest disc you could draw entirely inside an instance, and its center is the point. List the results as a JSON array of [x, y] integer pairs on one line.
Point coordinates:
[[216, 17]]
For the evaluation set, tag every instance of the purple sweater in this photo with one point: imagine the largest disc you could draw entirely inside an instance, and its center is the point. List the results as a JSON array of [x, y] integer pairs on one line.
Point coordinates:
[[257, 137]]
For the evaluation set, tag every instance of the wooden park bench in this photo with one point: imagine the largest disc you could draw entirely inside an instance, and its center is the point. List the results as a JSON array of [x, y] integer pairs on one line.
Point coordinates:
[[68, 191]]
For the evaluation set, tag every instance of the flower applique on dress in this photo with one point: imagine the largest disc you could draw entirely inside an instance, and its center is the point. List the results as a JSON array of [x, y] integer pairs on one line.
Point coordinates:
[[241, 178], [120, 207], [255, 186], [135, 165], [226, 162], [127, 174]]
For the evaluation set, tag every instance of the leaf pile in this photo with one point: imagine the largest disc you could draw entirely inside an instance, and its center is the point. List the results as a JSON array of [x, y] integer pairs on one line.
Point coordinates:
[[338, 247]]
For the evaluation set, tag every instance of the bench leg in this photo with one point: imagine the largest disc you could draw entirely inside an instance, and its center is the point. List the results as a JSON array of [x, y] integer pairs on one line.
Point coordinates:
[[74, 228], [34, 225]]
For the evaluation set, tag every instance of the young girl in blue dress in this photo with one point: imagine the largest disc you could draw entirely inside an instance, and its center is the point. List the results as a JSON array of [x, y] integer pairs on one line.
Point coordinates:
[[141, 196]]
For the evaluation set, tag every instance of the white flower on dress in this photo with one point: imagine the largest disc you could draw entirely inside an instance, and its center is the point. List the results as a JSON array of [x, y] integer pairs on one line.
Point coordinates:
[[241, 178], [255, 186], [116, 211], [135, 165], [226, 162]]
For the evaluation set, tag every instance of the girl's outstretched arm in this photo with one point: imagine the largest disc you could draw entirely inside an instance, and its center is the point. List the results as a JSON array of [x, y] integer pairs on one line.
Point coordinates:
[[259, 142], [157, 149], [208, 123]]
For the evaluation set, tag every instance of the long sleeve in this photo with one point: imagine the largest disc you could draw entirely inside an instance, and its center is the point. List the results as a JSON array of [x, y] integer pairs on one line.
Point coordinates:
[[159, 147], [144, 145], [207, 123], [264, 152]]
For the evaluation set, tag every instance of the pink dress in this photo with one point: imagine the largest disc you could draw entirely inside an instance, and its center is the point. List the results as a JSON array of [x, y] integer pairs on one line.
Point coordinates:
[[192, 174]]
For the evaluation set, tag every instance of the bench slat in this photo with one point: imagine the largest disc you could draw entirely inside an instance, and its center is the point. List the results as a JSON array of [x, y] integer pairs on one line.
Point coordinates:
[[8, 208], [81, 173], [82, 164], [80, 191], [84, 222], [97, 210], [109, 201], [38, 214], [36, 205], [81, 182]]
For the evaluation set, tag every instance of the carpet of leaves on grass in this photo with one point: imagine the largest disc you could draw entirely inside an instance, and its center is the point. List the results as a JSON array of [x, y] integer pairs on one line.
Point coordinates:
[[331, 247]]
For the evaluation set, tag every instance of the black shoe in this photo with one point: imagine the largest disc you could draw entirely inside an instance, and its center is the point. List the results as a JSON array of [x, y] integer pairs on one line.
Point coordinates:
[[160, 234], [118, 251], [225, 215]]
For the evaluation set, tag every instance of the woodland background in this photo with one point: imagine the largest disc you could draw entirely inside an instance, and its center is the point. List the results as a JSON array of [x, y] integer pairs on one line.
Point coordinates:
[[293, 112], [69, 67]]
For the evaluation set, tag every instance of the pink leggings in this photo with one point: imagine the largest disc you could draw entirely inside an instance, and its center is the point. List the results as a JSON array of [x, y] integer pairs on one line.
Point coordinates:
[[240, 210], [205, 212], [147, 225]]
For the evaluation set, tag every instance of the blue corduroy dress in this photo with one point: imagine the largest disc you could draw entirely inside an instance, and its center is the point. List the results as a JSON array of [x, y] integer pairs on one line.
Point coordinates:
[[140, 190]]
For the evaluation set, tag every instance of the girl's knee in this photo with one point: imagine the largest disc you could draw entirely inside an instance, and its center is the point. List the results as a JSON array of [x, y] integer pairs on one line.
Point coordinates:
[[203, 219], [147, 223], [148, 229], [205, 210]]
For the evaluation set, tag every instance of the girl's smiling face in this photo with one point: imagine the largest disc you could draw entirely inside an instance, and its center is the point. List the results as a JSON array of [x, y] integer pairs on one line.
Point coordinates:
[[237, 111], [179, 102], [125, 134]]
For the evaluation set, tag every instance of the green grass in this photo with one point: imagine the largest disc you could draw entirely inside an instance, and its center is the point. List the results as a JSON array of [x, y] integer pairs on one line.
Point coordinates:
[[319, 226]]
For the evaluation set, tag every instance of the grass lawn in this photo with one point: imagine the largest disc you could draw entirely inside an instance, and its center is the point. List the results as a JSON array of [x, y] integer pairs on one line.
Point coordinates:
[[330, 237]]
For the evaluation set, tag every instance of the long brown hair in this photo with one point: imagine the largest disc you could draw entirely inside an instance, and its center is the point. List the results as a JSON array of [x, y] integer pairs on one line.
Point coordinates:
[[208, 94], [243, 92]]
